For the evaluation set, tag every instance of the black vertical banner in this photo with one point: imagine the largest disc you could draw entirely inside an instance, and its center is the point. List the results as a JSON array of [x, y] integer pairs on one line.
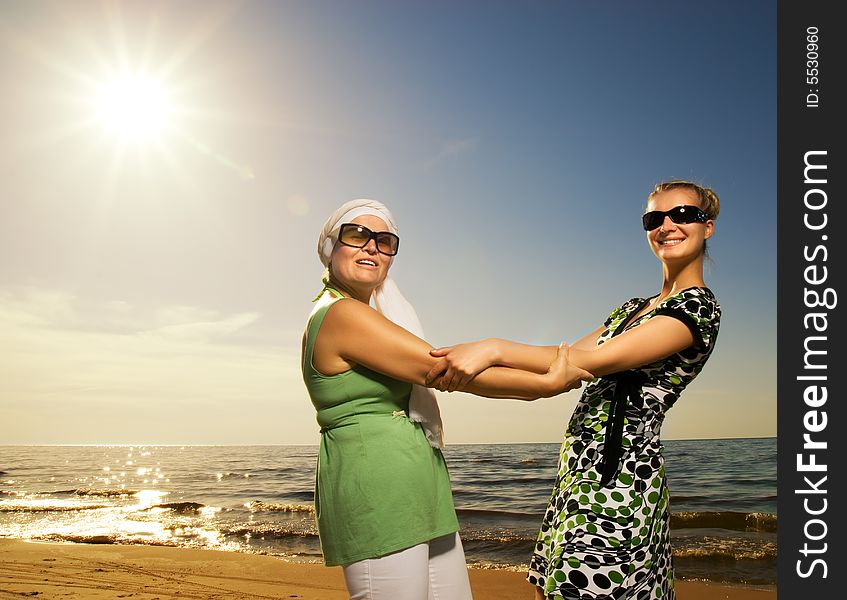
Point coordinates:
[[812, 222]]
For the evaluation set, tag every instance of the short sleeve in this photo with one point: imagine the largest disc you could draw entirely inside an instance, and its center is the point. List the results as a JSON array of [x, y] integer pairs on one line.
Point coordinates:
[[698, 309]]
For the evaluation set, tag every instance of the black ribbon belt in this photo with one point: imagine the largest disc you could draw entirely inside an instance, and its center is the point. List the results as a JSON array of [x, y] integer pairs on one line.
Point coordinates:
[[627, 387]]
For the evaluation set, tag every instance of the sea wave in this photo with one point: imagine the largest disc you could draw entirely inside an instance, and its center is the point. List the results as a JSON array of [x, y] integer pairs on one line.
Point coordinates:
[[496, 460], [82, 539], [496, 514], [260, 506], [37, 508], [271, 531], [108, 493], [105, 492], [764, 552], [495, 480], [307, 495], [231, 475], [735, 521], [732, 520], [179, 507]]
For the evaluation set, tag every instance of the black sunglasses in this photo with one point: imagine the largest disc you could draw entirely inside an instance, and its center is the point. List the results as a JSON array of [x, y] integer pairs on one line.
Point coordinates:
[[358, 236], [681, 215]]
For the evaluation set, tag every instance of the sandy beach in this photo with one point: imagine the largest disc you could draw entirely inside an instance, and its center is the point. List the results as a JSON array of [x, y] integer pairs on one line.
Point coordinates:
[[61, 571]]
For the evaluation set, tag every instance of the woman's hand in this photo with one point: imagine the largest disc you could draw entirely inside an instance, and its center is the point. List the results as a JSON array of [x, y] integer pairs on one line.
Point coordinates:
[[562, 375], [461, 363]]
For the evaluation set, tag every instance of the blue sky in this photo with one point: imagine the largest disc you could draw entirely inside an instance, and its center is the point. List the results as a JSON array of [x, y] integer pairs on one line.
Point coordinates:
[[155, 291]]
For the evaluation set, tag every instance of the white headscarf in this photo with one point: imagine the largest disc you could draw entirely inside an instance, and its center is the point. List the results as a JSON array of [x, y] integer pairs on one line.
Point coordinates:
[[387, 300]]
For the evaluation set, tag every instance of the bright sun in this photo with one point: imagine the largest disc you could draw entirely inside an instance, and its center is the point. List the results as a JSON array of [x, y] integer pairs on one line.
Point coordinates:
[[133, 107]]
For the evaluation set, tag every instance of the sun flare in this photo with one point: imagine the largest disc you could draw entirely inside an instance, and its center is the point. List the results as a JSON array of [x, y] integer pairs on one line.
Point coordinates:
[[133, 107]]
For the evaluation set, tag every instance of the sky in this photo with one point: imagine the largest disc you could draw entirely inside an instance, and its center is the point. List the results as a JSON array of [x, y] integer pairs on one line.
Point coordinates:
[[165, 169]]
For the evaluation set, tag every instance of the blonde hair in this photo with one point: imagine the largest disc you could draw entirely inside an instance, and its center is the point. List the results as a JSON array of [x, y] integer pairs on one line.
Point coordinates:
[[707, 199]]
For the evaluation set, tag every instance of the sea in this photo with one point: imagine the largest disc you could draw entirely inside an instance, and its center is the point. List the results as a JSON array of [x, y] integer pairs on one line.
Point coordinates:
[[259, 499]]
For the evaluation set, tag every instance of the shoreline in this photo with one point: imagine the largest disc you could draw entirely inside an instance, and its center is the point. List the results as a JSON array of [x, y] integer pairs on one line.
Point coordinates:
[[53, 570]]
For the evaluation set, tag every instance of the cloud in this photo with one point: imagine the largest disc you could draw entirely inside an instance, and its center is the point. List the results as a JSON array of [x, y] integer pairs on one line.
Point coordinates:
[[450, 150], [204, 330], [36, 308], [63, 372], [176, 315], [457, 147], [298, 205]]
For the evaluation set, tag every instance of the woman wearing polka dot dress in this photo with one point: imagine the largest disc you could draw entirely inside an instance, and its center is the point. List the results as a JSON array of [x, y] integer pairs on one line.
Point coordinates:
[[605, 533]]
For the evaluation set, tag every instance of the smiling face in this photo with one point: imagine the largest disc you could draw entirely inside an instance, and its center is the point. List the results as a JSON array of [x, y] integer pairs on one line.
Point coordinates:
[[673, 242], [361, 269]]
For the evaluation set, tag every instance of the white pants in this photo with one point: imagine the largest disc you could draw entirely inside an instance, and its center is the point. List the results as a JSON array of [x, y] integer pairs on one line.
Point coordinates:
[[434, 570]]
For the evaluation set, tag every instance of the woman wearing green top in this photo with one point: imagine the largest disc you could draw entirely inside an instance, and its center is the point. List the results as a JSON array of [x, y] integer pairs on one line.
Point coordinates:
[[382, 496]]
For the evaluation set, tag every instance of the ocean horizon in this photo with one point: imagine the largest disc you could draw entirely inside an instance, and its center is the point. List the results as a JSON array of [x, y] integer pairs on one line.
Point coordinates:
[[162, 444], [259, 499]]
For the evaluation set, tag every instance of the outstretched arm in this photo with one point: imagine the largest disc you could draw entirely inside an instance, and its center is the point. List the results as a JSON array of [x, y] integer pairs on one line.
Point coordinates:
[[466, 361], [658, 338], [653, 340], [353, 333], [506, 382], [644, 344]]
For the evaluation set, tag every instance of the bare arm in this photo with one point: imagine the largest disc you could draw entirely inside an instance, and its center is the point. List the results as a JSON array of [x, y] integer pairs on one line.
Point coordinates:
[[462, 362], [646, 343], [466, 361], [589, 341], [507, 382], [353, 333], [536, 358], [658, 338]]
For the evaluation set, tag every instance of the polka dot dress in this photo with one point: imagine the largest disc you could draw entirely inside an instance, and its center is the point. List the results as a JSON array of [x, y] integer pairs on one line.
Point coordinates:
[[613, 541]]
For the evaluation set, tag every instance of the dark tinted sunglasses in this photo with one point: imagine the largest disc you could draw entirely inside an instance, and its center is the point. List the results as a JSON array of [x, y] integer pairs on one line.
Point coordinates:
[[681, 215], [358, 236]]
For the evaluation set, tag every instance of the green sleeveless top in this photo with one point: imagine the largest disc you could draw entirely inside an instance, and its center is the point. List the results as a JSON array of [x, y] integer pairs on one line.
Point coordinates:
[[380, 486]]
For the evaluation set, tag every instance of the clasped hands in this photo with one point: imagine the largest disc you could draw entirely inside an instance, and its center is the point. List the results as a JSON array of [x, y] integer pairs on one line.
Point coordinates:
[[459, 364]]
